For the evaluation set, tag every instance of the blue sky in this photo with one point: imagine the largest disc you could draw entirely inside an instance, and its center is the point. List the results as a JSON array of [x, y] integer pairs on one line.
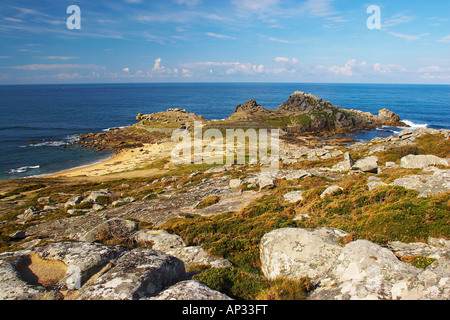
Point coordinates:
[[224, 41]]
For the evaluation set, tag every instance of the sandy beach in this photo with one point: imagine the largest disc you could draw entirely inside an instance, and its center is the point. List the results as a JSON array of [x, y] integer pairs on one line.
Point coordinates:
[[124, 163]]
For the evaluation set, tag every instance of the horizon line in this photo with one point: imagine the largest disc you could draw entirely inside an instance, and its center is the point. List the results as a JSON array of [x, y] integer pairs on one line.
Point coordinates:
[[221, 82]]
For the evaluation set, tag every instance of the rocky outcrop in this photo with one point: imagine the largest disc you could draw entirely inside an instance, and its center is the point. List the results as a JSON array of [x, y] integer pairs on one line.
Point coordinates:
[[369, 164], [250, 111], [366, 271], [345, 165], [294, 253], [44, 271], [88, 271], [306, 113], [426, 184], [134, 275], [358, 270], [422, 161]]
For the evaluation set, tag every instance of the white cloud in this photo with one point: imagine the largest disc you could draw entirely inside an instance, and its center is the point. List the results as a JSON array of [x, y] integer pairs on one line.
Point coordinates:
[[255, 5], [282, 40], [220, 36], [226, 68], [408, 37], [286, 60], [157, 65], [188, 2], [64, 58], [396, 20], [13, 19], [434, 72], [445, 39], [388, 68], [126, 69], [46, 67], [318, 8], [346, 70]]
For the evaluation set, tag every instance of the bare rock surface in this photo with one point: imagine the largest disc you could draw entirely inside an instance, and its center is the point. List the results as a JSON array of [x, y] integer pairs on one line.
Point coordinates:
[[135, 274], [190, 290], [360, 270]]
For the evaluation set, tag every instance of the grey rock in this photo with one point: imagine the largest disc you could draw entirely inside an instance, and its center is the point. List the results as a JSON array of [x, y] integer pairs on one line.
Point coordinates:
[[116, 227], [93, 195], [375, 184], [421, 161], [159, 239], [190, 290], [73, 201], [28, 213], [345, 165], [293, 196], [197, 255], [366, 271], [266, 182], [135, 274], [236, 183], [405, 134], [294, 253], [76, 263], [329, 191], [369, 164], [426, 184]]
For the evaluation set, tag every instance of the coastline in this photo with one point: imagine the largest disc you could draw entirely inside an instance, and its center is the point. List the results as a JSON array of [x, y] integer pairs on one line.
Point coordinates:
[[123, 163]]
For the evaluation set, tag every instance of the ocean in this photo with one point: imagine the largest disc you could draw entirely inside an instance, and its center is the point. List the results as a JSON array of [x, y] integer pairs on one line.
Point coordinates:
[[37, 121]]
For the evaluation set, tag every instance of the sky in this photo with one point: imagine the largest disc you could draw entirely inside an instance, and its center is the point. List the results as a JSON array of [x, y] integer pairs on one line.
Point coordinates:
[[141, 41]]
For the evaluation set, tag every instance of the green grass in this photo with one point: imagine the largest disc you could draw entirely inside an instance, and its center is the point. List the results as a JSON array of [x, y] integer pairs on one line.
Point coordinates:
[[241, 285], [207, 202]]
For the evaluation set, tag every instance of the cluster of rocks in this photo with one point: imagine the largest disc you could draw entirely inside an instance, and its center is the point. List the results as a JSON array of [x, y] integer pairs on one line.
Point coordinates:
[[90, 198], [358, 270], [92, 271]]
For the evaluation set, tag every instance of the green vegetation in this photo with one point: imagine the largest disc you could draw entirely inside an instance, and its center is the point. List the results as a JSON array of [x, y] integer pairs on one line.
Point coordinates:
[[246, 286], [22, 189], [418, 261], [207, 202], [282, 122]]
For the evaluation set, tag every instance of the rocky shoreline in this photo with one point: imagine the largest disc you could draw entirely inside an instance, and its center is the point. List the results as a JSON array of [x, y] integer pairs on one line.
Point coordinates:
[[335, 222]]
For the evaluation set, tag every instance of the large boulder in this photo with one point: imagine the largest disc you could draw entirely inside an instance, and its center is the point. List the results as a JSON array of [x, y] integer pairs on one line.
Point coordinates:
[[421, 161], [293, 196], [426, 184], [115, 227], [33, 273], [190, 290], [134, 275], [159, 239], [369, 164], [295, 253], [366, 271]]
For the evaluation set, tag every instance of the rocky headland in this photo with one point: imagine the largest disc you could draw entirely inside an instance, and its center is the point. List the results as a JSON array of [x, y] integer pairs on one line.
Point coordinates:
[[337, 221]]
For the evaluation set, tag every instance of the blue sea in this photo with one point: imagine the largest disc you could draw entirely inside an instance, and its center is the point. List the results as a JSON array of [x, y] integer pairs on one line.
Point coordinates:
[[37, 121]]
